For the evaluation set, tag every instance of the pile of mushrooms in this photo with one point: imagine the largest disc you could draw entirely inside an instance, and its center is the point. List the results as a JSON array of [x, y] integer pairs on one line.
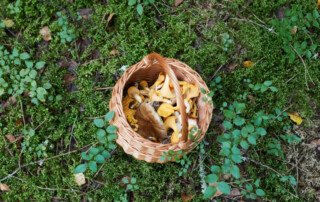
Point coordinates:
[[152, 112]]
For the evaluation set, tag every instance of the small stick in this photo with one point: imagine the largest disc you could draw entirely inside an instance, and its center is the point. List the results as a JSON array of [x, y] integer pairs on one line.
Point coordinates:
[[104, 88]]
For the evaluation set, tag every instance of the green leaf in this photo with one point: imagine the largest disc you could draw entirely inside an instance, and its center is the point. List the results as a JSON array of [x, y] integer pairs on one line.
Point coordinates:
[[109, 116], [24, 56], [215, 169], [244, 144], [260, 192], [224, 187], [111, 129], [101, 133], [47, 86], [106, 154], [112, 137], [292, 180], [132, 2], [140, 9], [33, 74], [99, 158], [29, 64], [40, 65], [227, 125], [237, 158], [249, 187], [94, 150], [267, 83], [229, 114], [273, 89], [235, 171], [257, 182], [252, 140], [85, 156], [264, 88], [239, 121], [261, 131], [250, 128], [212, 178], [93, 166], [315, 14], [209, 192], [99, 123], [133, 180], [80, 168]]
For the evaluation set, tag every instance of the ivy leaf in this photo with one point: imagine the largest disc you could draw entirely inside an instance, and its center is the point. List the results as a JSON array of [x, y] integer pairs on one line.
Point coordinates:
[[99, 123], [93, 166], [112, 137], [109, 116], [85, 156], [210, 192], [101, 133], [224, 187], [80, 168], [215, 169], [106, 154]]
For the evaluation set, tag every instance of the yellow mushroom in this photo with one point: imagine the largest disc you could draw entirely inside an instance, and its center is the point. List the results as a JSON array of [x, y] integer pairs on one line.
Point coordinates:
[[155, 96], [144, 85], [129, 113], [134, 92], [158, 81], [193, 91], [166, 91], [170, 122], [184, 86], [166, 110]]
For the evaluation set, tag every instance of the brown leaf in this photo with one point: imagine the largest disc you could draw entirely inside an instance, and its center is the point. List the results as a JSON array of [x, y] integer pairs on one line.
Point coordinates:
[[150, 123], [85, 13], [235, 192], [110, 17], [11, 101], [316, 142], [186, 197], [69, 78], [294, 30], [114, 52], [178, 2], [232, 66], [11, 138], [46, 33], [4, 187]]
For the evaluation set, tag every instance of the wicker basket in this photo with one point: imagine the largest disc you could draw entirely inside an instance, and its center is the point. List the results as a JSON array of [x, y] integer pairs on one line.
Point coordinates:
[[148, 69]]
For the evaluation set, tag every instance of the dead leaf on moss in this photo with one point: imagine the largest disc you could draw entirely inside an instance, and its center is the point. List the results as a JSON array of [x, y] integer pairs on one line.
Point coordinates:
[[80, 179], [85, 13], [186, 197], [8, 23], [110, 17], [178, 2], [11, 138], [114, 52], [295, 117], [294, 30], [46, 33], [248, 63], [4, 187], [318, 4]]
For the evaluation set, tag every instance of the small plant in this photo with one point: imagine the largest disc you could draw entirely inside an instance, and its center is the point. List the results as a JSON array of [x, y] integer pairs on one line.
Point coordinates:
[[106, 135], [262, 87], [29, 146], [139, 4], [14, 8], [67, 33], [131, 186], [296, 31], [227, 41], [18, 75]]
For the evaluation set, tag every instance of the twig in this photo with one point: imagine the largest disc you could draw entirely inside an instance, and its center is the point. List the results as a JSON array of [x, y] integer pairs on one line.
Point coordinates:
[[297, 170], [24, 120], [104, 88], [306, 72], [255, 23], [41, 161], [290, 79], [216, 72], [40, 124]]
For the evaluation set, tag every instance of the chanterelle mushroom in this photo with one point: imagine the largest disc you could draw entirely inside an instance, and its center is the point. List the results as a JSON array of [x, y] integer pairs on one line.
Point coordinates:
[[193, 91], [166, 91], [170, 122], [144, 85], [166, 109], [150, 123], [129, 113], [158, 81], [154, 96], [134, 92]]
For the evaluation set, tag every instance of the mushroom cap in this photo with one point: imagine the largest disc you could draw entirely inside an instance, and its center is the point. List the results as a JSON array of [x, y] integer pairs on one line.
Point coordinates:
[[134, 92], [144, 84], [166, 109], [193, 91], [150, 123], [166, 91], [154, 96], [159, 81]]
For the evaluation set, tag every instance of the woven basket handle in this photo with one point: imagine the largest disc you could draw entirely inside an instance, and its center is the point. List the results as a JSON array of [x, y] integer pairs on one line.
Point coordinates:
[[177, 92]]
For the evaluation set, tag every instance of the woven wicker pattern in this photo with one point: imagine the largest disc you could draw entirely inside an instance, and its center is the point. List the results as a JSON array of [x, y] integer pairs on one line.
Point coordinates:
[[149, 69]]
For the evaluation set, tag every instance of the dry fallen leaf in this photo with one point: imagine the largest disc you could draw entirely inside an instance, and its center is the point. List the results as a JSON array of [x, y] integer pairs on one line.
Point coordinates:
[[46, 33], [248, 63], [294, 30], [11, 138], [186, 197], [85, 13], [4, 187], [178, 2], [80, 179], [8, 23], [150, 123], [114, 52], [319, 4], [295, 117], [110, 18]]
